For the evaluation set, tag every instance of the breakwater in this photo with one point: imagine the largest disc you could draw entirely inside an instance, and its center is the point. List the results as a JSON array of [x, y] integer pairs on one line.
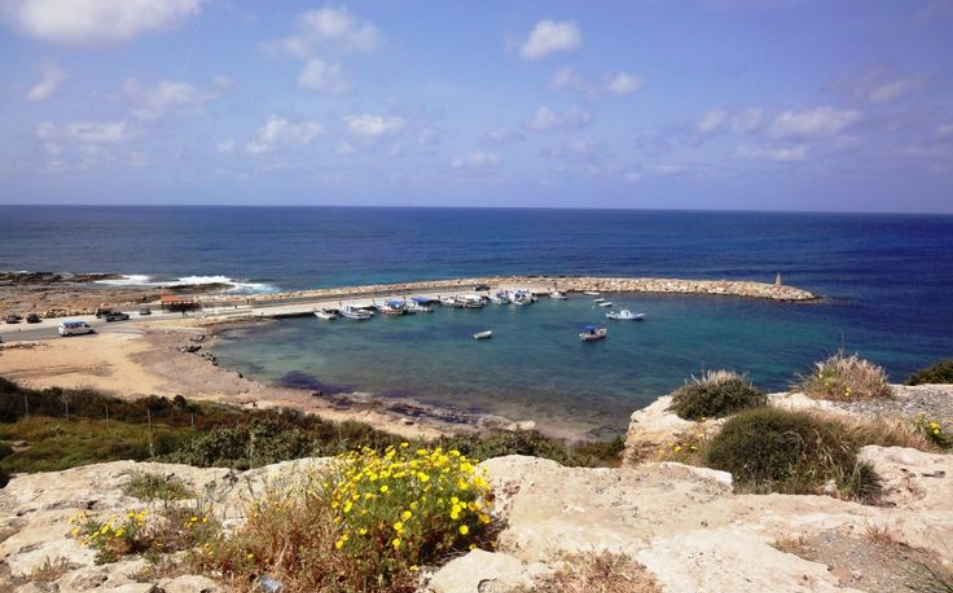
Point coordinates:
[[544, 284]]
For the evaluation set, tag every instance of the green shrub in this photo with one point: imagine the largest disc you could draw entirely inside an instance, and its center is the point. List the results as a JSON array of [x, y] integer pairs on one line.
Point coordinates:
[[772, 450], [146, 486], [534, 444], [941, 372], [846, 378], [5, 450], [716, 394], [367, 524]]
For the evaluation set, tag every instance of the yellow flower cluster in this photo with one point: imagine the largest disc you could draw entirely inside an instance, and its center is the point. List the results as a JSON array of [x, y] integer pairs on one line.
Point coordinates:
[[935, 431], [403, 502]]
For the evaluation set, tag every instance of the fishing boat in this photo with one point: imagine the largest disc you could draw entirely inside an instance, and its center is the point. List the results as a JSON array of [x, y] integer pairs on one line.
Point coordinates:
[[625, 315], [356, 314], [496, 299], [472, 301], [557, 296], [591, 333], [392, 307], [414, 306], [523, 297], [605, 304], [483, 335], [450, 301], [599, 300], [326, 314], [592, 292]]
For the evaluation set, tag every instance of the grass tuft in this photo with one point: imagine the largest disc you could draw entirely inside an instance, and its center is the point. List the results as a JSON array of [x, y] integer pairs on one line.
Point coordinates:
[[716, 394], [149, 486], [846, 378], [603, 572]]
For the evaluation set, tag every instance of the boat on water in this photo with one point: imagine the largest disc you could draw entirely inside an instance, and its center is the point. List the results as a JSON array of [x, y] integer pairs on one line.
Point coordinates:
[[483, 335], [451, 301], [591, 333], [557, 296], [393, 307], [592, 292], [326, 314], [349, 312], [625, 315], [523, 297], [598, 300], [605, 304], [414, 306], [497, 299]]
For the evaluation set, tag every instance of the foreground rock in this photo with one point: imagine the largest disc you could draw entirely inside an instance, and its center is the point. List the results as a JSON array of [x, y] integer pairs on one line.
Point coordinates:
[[684, 524]]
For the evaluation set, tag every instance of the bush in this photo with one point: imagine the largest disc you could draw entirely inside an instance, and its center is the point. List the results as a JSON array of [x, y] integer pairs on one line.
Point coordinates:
[[4, 478], [368, 524], [715, 395], [145, 486], [534, 444], [934, 431], [846, 378], [5, 450], [772, 450], [941, 372]]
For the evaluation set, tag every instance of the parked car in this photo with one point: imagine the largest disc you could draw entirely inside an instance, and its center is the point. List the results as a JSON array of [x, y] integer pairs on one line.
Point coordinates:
[[481, 287], [144, 311], [13, 318], [116, 316], [33, 318], [74, 327]]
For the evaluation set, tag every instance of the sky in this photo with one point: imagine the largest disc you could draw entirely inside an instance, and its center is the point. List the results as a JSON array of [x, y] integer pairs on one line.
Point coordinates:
[[830, 105]]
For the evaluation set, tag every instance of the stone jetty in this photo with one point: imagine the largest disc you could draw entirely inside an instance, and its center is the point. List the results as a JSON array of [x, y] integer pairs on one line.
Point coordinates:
[[544, 284]]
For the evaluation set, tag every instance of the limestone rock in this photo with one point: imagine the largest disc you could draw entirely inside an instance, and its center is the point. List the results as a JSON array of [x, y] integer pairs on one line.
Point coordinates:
[[484, 572], [190, 584]]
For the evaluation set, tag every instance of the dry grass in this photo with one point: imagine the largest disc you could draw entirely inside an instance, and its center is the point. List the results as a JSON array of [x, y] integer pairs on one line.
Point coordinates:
[[884, 432], [846, 378], [50, 571], [602, 572]]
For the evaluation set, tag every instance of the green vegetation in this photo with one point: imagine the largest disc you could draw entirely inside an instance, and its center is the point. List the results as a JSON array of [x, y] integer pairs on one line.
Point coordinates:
[[846, 378], [714, 395], [772, 450], [368, 524], [941, 372], [146, 486], [67, 428]]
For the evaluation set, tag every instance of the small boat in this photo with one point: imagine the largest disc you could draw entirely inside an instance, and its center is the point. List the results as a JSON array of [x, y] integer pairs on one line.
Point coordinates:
[[392, 307], [591, 333], [592, 292], [599, 300], [350, 312], [625, 315], [483, 335], [414, 306], [605, 304], [326, 314], [557, 296]]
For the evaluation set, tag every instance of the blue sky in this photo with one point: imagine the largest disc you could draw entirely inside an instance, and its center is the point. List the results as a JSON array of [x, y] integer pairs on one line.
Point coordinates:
[[709, 104]]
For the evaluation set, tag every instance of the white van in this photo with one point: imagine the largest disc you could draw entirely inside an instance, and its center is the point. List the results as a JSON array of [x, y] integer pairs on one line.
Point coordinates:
[[74, 327]]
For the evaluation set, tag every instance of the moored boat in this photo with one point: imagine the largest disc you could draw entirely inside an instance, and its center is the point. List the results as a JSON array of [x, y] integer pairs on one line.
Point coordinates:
[[605, 304], [483, 335], [592, 292], [355, 314], [558, 296], [326, 314], [414, 306], [591, 333], [625, 315]]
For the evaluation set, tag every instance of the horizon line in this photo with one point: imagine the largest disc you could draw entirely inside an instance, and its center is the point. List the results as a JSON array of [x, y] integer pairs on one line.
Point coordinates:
[[442, 207]]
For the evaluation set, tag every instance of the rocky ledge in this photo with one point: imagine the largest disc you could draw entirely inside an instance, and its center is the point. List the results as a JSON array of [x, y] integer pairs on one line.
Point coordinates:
[[684, 524]]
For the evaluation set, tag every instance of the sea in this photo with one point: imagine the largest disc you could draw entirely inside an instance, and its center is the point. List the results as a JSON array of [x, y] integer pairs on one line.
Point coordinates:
[[887, 283]]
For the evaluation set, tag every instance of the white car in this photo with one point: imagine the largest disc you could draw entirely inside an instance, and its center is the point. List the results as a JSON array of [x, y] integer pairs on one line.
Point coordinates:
[[74, 327]]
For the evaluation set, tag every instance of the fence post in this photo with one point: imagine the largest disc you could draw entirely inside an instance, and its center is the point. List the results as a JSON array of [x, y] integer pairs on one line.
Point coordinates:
[[152, 451], [107, 416], [26, 405]]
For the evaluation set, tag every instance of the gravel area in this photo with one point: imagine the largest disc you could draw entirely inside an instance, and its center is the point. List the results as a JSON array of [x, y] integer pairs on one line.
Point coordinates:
[[935, 401]]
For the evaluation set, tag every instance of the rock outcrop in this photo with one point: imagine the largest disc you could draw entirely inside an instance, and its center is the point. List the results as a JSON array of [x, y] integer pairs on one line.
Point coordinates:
[[685, 524]]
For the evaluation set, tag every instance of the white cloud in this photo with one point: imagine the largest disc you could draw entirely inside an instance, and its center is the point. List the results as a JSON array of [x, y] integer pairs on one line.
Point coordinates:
[[372, 127], [476, 161], [323, 77], [892, 90], [567, 79], [624, 83], [51, 76], [95, 22], [225, 146], [166, 97], [736, 120], [278, 132], [820, 122], [332, 29], [550, 37], [83, 132], [877, 83], [545, 119], [945, 130], [502, 136], [798, 153]]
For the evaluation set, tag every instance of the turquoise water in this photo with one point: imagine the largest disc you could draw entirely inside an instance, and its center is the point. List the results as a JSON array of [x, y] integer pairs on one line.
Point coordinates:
[[535, 367]]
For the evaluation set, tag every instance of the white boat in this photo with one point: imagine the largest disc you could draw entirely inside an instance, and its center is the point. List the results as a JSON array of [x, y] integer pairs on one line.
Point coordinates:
[[558, 296], [605, 304], [625, 315], [415, 307], [598, 300], [592, 292], [326, 314], [450, 302], [496, 299], [591, 333], [392, 307], [350, 312], [483, 335]]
